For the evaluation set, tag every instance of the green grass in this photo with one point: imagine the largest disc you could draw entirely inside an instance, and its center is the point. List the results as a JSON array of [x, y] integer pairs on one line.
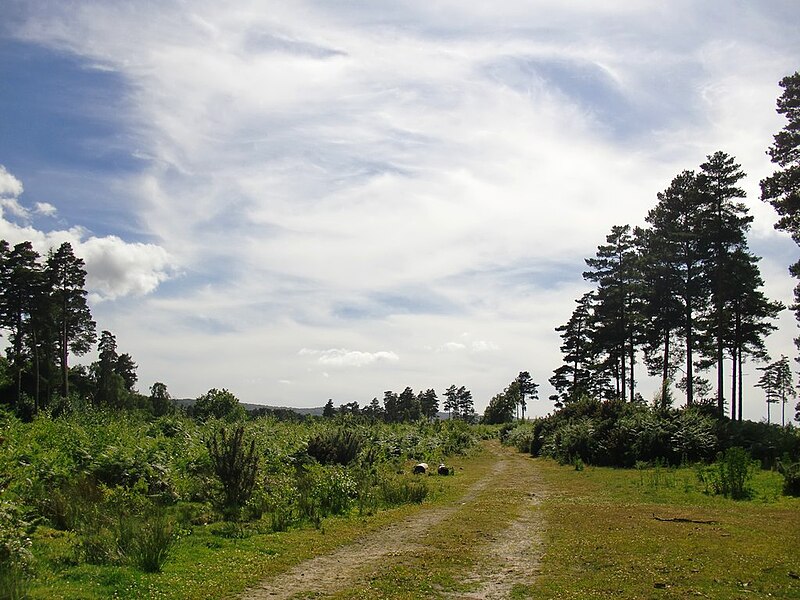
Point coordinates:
[[603, 540], [206, 562]]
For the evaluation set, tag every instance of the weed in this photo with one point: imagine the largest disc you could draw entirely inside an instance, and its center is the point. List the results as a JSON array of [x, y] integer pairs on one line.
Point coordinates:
[[730, 475]]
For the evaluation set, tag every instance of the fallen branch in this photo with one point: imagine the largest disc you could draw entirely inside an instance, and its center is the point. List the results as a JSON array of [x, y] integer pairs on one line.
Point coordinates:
[[682, 520]]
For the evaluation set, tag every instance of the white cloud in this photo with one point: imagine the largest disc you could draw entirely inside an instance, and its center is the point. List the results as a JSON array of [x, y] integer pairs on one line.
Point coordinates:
[[13, 207], [484, 346], [46, 209], [341, 357], [117, 268], [10, 186], [451, 347], [114, 267]]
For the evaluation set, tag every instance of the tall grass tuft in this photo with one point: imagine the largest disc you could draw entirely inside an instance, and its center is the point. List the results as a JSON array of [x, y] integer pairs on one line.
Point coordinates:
[[402, 490], [152, 541]]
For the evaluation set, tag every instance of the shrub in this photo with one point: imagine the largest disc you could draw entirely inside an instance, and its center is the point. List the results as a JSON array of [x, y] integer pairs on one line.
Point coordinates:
[[791, 477], [730, 475], [335, 446], [16, 559], [236, 465]]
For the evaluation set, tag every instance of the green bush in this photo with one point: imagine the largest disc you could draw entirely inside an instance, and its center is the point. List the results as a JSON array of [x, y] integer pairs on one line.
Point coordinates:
[[730, 476], [16, 560], [791, 477], [335, 446], [235, 464]]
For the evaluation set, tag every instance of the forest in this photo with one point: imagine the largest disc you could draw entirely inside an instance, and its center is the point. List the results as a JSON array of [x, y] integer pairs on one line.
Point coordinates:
[[94, 473]]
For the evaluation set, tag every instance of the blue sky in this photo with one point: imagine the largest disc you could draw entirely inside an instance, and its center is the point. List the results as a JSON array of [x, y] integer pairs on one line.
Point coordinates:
[[306, 200]]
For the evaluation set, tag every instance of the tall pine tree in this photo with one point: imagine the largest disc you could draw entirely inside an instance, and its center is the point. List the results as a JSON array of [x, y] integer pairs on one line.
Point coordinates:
[[76, 329]]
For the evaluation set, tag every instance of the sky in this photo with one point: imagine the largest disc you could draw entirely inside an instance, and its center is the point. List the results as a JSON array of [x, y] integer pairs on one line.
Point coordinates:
[[307, 200]]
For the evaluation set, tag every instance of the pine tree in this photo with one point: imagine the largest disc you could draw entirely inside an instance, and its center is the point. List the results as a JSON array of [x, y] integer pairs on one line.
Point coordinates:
[[466, 407], [391, 407], [451, 401], [20, 297], [782, 188], [429, 403], [725, 222], [328, 410], [527, 389], [579, 375], [76, 329], [615, 270], [408, 406], [750, 313], [675, 251]]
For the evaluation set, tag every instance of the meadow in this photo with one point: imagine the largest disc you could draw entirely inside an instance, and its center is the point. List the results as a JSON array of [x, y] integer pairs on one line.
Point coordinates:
[[107, 504]]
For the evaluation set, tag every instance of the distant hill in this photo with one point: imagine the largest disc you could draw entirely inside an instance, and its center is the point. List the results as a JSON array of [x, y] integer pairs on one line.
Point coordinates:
[[317, 411]]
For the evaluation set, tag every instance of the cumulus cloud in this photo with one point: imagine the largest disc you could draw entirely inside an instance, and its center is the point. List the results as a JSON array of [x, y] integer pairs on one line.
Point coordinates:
[[13, 207], [114, 267], [342, 357], [10, 186], [117, 268]]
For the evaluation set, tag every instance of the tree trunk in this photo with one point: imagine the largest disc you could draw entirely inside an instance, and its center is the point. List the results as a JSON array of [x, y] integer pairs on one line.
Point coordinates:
[[665, 372], [689, 358], [740, 385], [632, 352], [734, 374]]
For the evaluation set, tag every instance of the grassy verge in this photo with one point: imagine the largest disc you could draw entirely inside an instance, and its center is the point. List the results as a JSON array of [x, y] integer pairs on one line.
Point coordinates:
[[603, 540]]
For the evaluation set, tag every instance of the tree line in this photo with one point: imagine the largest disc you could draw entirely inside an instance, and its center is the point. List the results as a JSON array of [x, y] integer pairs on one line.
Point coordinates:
[[408, 406], [46, 318], [684, 294]]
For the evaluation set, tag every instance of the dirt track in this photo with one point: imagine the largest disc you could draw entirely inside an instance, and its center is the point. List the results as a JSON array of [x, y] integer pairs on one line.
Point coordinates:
[[509, 556]]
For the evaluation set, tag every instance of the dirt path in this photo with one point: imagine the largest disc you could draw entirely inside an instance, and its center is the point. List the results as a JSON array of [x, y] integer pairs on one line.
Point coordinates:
[[511, 556], [508, 557]]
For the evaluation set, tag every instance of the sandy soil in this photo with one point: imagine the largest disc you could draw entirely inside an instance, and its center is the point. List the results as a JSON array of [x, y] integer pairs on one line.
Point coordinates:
[[509, 556]]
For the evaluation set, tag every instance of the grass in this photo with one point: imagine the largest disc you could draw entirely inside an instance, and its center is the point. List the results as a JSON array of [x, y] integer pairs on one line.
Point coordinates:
[[451, 548], [603, 540], [207, 562]]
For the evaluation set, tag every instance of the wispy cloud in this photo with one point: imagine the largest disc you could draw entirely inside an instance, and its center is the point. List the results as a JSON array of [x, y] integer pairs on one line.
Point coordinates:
[[341, 357], [366, 175]]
